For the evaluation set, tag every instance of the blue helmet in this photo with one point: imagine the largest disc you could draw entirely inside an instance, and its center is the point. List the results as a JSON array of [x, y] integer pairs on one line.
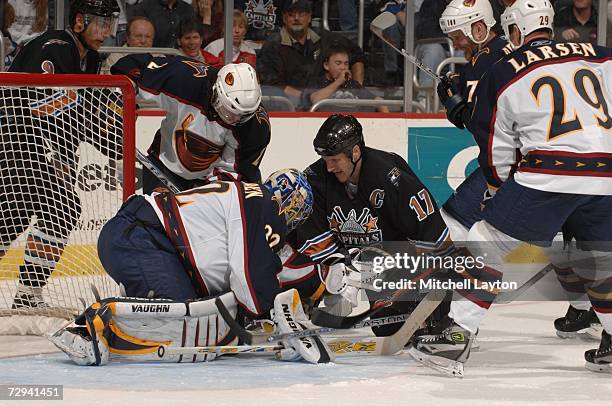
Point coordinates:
[[291, 190]]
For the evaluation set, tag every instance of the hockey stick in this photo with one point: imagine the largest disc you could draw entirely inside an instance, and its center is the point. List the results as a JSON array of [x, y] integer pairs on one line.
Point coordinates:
[[386, 20], [147, 163], [396, 342], [254, 339], [339, 345], [510, 296]]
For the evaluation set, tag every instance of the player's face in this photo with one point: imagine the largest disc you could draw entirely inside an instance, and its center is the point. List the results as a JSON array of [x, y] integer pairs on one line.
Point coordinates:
[[141, 34], [190, 44], [463, 43], [341, 166], [338, 64], [98, 30]]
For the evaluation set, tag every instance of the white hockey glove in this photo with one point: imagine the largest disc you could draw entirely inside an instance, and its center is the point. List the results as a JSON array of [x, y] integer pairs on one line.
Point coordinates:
[[288, 316]]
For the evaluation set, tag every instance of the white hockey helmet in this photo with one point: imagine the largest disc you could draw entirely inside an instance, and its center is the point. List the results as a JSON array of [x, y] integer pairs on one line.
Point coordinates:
[[529, 16], [236, 93], [461, 14]]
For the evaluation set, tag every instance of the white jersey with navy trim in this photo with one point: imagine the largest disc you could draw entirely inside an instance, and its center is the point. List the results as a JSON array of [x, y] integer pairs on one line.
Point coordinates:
[[227, 234], [543, 114]]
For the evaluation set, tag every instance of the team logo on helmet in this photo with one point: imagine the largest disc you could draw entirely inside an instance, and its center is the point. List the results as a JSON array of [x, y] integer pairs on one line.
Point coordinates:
[[229, 79], [469, 3]]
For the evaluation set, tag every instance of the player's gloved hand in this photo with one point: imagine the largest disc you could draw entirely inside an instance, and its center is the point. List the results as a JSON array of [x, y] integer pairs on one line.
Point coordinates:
[[449, 92], [339, 281], [289, 317], [488, 195]]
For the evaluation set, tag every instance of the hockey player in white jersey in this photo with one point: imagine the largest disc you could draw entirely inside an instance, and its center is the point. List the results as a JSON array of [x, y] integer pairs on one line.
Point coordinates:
[[215, 126], [542, 119], [175, 251]]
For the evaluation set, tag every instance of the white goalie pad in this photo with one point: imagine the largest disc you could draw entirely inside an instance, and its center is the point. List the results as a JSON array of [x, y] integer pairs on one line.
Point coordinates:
[[136, 329]]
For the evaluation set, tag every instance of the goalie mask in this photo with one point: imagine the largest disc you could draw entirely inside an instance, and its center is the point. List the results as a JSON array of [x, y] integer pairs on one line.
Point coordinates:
[[338, 134], [291, 190], [459, 15], [236, 93], [528, 16]]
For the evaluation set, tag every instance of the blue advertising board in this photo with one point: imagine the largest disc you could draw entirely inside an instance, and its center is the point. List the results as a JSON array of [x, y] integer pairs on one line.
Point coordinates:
[[441, 157]]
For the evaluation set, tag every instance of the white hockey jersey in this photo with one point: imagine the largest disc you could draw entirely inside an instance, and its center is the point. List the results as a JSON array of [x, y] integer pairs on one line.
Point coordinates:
[[543, 114], [227, 234], [192, 141]]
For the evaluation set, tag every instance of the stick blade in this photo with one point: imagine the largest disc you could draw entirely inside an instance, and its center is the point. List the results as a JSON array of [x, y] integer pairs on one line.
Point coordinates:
[[382, 22]]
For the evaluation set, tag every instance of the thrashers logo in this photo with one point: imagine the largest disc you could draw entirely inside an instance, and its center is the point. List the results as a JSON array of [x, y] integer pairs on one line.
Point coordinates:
[[353, 230]]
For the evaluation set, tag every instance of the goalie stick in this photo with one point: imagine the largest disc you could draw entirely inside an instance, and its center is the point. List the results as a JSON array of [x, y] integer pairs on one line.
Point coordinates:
[[339, 345], [390, 345]]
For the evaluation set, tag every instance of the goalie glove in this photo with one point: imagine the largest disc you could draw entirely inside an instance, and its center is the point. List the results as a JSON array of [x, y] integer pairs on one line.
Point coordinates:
[[288, 316]]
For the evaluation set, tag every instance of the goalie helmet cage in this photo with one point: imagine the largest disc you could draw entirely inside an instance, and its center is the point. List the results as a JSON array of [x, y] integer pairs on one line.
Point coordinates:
[[67, 147]]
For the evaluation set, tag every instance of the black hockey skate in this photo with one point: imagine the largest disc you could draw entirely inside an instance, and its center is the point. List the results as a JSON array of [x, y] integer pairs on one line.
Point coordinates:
[[600, 360], [445, 352], [28, 297], [578, 323]]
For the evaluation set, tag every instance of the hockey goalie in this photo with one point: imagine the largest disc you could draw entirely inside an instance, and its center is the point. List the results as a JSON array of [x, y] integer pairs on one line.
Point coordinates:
[[224, 240]]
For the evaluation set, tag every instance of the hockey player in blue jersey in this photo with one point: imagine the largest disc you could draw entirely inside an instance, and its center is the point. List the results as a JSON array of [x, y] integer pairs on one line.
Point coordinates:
[[215, 126], [542, 120], [468, 25]]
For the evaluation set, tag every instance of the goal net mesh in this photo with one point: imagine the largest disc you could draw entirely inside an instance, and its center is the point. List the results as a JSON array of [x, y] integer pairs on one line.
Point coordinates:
[[62, 178]]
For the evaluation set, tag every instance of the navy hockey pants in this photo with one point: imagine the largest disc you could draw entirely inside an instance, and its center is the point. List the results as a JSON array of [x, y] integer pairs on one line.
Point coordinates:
[[135, 251]]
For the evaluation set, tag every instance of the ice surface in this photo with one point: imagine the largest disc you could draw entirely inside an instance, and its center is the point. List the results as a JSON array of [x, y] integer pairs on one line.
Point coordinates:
[[520, 360]]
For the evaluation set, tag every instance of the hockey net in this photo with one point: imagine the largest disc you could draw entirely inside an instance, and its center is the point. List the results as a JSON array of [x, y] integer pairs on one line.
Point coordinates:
[[67, 163]]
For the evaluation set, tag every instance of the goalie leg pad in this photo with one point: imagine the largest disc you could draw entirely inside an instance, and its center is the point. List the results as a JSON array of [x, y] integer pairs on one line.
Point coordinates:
[[135, 329], [289, 317]]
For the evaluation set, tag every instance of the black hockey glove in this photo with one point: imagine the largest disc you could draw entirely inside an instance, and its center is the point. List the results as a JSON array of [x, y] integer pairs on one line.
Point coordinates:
[[450, 96]]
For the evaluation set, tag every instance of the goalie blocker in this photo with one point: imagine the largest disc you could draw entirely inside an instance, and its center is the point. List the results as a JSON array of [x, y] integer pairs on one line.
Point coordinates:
[[138, 329]]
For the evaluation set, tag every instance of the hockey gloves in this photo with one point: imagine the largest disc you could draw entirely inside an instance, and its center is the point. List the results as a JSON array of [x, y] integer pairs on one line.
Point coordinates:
[[449, 92], [288, 316]]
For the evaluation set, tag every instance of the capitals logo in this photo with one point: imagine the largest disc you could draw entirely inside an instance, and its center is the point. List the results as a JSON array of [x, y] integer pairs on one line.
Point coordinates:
[[353, 230], [261, 14]]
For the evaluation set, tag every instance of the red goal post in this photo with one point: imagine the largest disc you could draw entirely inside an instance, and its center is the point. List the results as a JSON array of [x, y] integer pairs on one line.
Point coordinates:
[[67, 151]]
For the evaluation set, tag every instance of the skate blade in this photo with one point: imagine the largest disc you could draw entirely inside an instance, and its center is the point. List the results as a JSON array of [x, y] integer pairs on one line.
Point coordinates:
[[602, 368], [440, 364], [590, 333]]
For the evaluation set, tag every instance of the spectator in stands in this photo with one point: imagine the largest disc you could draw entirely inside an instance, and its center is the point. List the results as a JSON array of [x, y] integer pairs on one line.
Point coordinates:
[[167, 16], [264, 17], [242, 52], [336, 83], [347, 13], [30, 19], [7, 17], [426, 27], [576, 22], [140, 33], [189, 40], [290, 59], [210, 14], [609, 35]]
